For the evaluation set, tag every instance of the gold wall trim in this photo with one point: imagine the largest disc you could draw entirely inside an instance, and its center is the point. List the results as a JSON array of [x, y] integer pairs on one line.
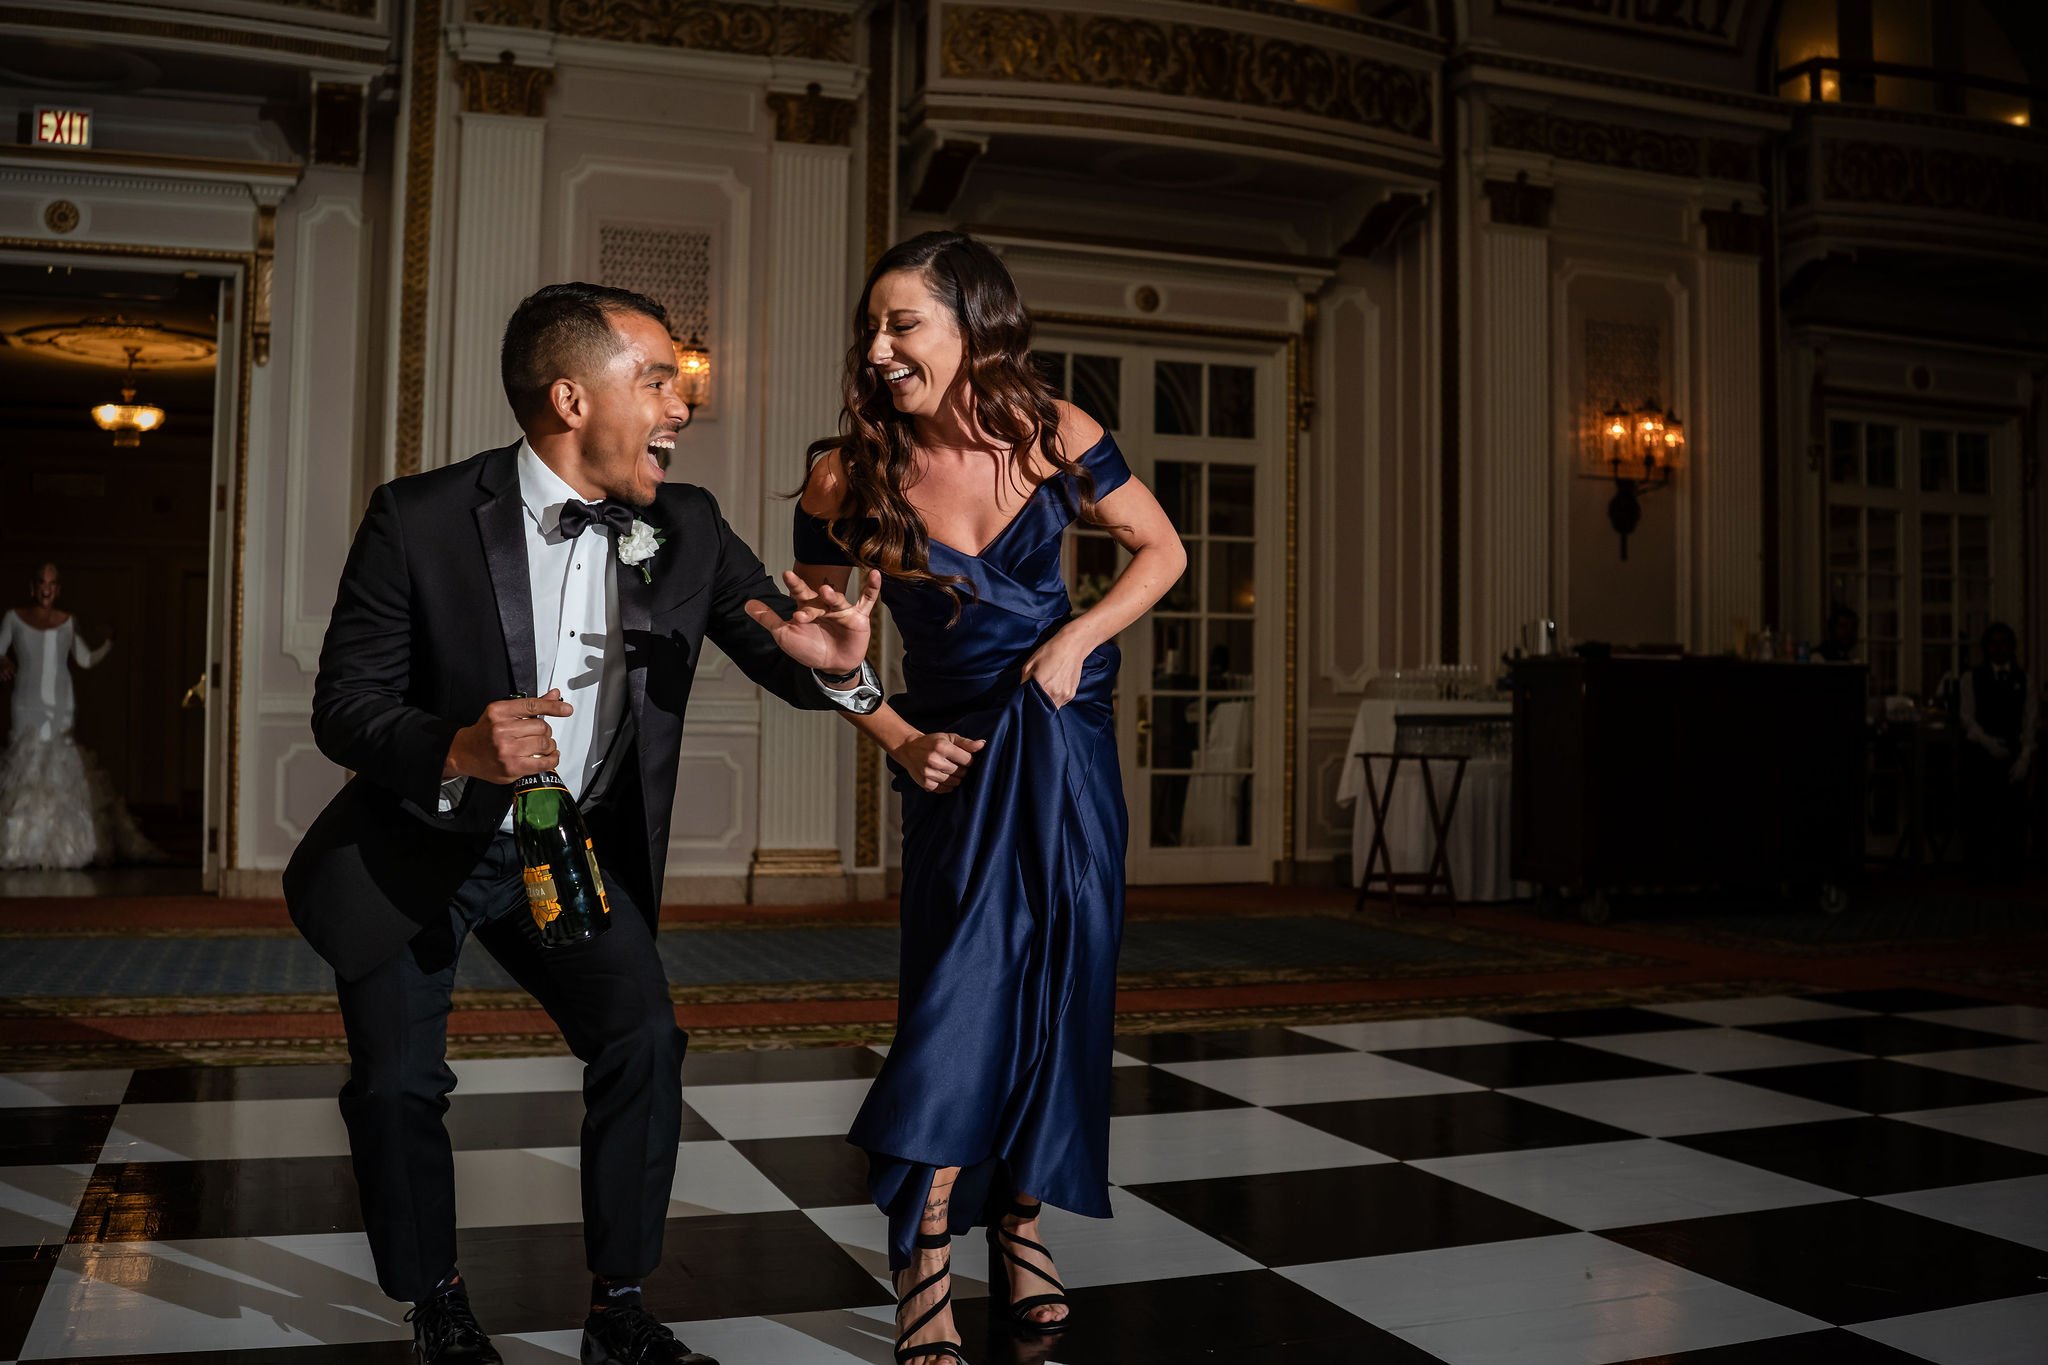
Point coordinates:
[[797, 862], [1185, 61], [706, 25], [417, 241], [1158, 126], [1292, 341], [504, 87], [1296, 12], [813, 118], [245, 262], [369, 53]]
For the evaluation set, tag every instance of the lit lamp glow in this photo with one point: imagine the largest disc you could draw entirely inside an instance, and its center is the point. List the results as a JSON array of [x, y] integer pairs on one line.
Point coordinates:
[[693, 372], [1642, 447], [128, 419]]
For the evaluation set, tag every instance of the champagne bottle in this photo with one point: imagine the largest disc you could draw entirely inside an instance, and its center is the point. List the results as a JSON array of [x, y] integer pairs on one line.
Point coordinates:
[[564, 889]]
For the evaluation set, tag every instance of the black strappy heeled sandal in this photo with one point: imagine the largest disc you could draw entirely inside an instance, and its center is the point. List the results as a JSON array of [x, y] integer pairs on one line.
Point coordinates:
[[931, 1350], [1002, 1278]]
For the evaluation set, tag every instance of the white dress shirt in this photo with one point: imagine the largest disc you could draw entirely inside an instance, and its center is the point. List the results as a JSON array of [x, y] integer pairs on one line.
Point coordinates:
[[577, 643]]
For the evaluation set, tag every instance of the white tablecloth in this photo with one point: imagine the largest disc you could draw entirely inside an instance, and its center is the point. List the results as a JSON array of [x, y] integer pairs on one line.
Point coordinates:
[[1480, 826]]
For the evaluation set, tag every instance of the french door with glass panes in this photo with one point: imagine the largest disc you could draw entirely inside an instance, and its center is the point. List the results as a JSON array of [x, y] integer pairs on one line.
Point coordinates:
[[1199, 703], [1920, 542]]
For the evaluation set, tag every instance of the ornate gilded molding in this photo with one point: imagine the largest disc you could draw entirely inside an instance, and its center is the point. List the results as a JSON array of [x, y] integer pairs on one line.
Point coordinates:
[[757, 30], [797, 862], [504, 87], [337, 133], [1184, 61], [1945, 179], [1620, 145], [1517, 203], [1736, 232], [259, 284], [1701, 23], [347, 9], [813, 118], [416, 241], [61, 216]]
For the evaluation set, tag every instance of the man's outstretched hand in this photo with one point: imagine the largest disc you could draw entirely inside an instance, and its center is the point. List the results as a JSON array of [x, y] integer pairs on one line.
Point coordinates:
[[826, 632]]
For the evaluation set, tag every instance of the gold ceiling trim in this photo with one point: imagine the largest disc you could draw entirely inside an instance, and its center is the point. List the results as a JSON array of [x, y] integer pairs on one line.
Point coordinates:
[[238, 563], [1153, 125], [108, 341], [1185, 61], [1293, 342], [504, 87], [813, 118], [417, 238], [747, 30]]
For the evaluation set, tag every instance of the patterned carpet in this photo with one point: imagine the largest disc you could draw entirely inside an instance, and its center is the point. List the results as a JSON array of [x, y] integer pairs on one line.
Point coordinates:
[[140, 981]]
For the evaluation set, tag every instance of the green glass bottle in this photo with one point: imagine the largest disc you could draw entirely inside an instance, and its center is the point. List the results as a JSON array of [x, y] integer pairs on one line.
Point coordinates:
[[564, 889]]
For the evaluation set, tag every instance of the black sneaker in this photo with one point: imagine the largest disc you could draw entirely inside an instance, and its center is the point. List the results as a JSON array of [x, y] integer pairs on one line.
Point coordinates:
[[445, 1332], [633, 1336]]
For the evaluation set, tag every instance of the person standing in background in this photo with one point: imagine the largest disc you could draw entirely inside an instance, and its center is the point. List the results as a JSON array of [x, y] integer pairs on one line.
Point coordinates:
[[2000, 710], [58, 807]]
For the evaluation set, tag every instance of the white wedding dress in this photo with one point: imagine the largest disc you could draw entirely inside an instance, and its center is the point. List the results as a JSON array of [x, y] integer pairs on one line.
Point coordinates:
[[58, 808]]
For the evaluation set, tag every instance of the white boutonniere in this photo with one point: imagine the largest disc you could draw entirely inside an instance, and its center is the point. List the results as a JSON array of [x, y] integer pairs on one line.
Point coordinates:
[[638, 545]]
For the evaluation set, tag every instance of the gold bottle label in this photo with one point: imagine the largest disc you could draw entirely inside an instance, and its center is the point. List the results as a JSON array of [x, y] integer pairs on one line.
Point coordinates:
[[541, 897], [604, 902]]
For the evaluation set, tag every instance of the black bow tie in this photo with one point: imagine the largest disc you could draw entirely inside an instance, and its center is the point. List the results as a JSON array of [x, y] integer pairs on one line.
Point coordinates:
[[578, 517]]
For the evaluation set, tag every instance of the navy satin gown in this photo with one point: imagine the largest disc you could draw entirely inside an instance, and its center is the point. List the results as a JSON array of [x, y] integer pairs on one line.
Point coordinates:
[[1013, 889]]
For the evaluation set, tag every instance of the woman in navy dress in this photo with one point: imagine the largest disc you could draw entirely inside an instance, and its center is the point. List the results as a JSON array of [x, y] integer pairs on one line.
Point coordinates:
[[955, 475]]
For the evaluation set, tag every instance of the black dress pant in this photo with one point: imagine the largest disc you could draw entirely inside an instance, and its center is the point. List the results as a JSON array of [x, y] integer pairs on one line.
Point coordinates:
[[609, 997]]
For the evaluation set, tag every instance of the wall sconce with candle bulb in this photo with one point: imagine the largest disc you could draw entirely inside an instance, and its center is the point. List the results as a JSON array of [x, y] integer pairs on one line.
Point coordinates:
[[693, 371], [1642, 448]]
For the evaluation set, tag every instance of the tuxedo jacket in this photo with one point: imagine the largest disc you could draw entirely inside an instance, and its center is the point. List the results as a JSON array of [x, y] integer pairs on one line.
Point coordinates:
[[432, 622]]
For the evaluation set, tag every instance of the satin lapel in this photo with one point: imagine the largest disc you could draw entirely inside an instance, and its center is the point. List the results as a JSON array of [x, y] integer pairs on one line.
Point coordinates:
[[501, 523], [636, 621]]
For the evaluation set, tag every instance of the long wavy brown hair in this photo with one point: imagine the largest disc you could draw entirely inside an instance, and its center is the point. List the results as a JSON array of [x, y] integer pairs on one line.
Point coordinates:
[[877, 445]]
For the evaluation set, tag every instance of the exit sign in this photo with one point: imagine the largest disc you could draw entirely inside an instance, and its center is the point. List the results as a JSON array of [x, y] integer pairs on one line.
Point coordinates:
[[63, 127]]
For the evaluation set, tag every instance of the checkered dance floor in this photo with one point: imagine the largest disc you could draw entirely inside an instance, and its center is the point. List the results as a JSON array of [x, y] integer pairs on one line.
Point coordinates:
[[1855, 1176]]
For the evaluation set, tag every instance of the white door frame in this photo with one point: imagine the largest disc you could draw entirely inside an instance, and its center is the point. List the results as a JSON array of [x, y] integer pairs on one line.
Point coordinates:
[[227, 509], [1270, 453]]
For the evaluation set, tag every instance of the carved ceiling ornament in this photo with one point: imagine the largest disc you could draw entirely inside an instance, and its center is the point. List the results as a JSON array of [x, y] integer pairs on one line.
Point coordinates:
[[1057, 47], [504, 87], [813, 118], [352, 9], [750, 30], [1700, 23], [1621, 145], [1602, 144], [1922, 177]]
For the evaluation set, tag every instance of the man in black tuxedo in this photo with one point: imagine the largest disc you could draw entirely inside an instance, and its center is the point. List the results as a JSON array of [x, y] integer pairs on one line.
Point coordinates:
[[563, 570]]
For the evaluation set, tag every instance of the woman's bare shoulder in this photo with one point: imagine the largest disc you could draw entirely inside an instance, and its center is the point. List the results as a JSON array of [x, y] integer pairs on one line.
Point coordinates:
[[824, 495], [1079, 433]]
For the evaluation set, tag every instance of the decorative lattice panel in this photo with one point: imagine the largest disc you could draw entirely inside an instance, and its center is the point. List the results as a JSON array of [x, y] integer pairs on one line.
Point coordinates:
[[1625, 365], [669, 265]]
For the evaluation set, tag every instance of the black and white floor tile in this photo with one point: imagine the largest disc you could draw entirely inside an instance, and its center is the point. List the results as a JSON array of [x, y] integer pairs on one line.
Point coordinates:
[[1853, 1177]]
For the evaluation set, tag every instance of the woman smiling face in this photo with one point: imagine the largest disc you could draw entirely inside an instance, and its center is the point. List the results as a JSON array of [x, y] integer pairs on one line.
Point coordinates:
[[914, 343]]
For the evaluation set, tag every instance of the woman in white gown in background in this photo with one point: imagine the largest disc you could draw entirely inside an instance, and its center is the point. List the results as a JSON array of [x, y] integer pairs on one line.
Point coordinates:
[[58, 809]]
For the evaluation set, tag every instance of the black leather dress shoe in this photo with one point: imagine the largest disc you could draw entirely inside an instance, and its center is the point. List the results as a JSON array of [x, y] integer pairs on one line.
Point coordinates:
[[633, 1336], [444, 1332]]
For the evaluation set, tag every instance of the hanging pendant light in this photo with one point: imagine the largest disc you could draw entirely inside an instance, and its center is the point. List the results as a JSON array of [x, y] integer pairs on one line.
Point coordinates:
[[128, 419]]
